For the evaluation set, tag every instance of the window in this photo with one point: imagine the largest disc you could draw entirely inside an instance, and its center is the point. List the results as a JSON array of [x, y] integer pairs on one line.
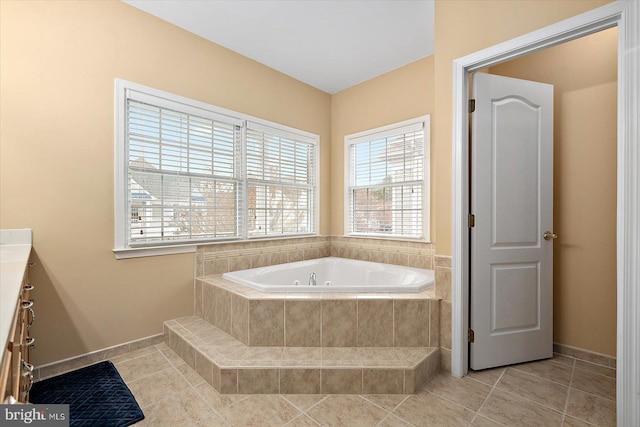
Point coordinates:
[[280, 182], [189, 172], [386, 179]]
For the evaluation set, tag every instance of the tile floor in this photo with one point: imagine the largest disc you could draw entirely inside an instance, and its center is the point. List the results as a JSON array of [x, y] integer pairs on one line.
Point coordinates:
[[559, 392]]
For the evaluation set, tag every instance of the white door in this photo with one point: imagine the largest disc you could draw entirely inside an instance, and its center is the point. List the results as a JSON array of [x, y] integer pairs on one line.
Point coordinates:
[[511, 295]]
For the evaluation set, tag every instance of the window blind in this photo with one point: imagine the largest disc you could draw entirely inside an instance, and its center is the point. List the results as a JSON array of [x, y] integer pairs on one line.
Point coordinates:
[[183, 175], [281, 182], [188, 172], [386, 182]]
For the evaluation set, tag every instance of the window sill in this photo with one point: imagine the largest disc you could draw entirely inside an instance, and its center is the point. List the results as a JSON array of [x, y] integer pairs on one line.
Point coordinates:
[[126, 253], [387, 237]]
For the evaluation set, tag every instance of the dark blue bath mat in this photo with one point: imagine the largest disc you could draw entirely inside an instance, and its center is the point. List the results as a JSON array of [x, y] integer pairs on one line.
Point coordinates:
[[96, 396]]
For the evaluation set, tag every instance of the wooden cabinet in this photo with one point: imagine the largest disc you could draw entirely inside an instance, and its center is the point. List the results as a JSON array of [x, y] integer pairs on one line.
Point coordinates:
[[16, 376]]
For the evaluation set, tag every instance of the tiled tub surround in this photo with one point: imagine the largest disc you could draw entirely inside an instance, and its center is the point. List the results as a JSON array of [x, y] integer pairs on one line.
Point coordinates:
[[442, 267], [224, 257], [246, 341], [318, 319], [382, 342]]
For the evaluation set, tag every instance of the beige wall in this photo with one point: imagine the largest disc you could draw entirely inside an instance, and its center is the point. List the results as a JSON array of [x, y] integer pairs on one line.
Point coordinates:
[[399, 95], [56, 174], [58, 64], [584, 75], [464, 27]]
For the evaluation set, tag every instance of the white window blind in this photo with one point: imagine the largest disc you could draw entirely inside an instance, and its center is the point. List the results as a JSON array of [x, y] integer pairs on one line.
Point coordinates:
[[386, 193], [281, 180], [187, 172], [183, 175]]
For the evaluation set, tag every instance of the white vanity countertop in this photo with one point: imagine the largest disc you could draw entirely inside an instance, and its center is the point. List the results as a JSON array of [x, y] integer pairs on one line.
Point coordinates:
[[15, 248]]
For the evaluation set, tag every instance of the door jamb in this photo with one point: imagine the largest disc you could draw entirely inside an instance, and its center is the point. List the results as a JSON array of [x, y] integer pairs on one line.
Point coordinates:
[[626, 16]]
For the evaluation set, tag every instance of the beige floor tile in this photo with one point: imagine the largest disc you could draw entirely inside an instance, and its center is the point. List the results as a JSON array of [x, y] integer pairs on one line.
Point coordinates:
[[591, 408], [186, 408], [574, 422], [301, 421], [591, 382], [487, 376], [565, 360], [598, 369], [388, 402], [304, 401], [512, 410], [346, 410], [133, 369], [393, 421], [260, 410], [428, 409], [464, 391], [216, 400], [547, 369], [158, 386], [480, 421], [534, 388], [190, 374]]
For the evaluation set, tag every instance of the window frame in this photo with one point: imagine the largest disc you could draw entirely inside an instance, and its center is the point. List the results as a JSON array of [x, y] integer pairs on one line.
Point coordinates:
[[123, 249], [376, 133]]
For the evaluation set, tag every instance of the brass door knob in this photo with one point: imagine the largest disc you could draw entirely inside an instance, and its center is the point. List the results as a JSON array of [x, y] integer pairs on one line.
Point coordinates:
[[548, 235]]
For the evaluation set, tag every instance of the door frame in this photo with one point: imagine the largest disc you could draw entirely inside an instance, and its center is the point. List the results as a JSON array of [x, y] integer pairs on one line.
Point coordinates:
[[626, 16]]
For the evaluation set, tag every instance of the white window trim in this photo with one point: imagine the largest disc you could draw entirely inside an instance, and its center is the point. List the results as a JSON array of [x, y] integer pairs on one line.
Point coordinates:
[[121, 249], [426, 200]]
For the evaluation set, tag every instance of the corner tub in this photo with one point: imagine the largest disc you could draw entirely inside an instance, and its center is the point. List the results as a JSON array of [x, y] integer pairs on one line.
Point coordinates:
[[334, 275]]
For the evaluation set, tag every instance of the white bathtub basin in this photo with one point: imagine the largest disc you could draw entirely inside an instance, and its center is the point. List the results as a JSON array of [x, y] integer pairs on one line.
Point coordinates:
[[334, 275]]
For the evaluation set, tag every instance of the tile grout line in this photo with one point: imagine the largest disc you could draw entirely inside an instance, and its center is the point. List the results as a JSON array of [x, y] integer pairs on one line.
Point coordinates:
[[493, 387], [389, 412], [538, 376], [566, 402], [195, 390], [301, 415], [190, 385]]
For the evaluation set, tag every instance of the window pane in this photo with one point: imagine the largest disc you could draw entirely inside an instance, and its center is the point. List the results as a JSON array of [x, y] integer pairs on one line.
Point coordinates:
[[277, 209], [281, 184], [172, 207], [183, 182], [386, 185]]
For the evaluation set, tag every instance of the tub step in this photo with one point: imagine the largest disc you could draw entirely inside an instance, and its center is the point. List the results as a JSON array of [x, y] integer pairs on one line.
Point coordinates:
[[233, 367]]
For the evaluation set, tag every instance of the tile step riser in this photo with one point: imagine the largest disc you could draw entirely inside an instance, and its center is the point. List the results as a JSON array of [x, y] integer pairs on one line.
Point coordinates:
[[243, 379], [350, 322]]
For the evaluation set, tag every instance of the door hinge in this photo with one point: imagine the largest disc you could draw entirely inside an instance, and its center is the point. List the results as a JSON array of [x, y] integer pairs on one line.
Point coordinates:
[[471, 335], [472, 105], [472, 220]]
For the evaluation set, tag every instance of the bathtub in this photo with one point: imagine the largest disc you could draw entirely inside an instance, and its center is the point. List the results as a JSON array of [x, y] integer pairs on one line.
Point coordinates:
[[334, 275]]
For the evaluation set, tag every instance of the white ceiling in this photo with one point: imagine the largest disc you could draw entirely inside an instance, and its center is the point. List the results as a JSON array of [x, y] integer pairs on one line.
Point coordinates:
[[328, 44]]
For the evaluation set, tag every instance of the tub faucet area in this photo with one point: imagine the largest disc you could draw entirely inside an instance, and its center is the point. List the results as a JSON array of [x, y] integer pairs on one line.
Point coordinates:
[[312, 279]]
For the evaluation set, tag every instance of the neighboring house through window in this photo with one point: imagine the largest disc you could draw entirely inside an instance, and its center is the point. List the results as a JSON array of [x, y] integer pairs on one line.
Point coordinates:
[[189, 172], [386, 178]]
